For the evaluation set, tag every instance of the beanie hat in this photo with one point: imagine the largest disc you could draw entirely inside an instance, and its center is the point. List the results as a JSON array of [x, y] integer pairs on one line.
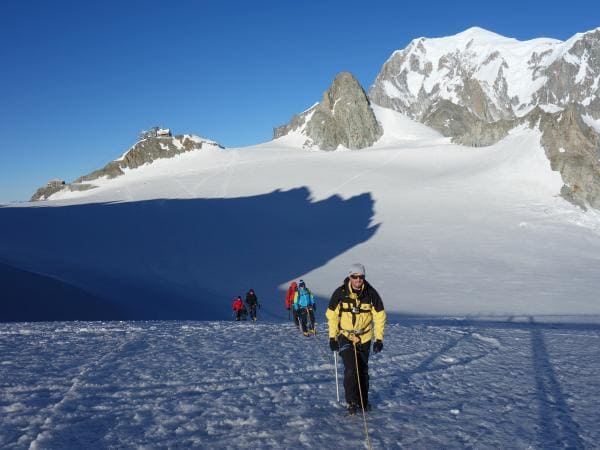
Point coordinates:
[[356, 269], [301, 284]]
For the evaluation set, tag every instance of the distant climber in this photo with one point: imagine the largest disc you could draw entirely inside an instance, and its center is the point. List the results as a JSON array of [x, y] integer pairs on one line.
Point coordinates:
[[305, 307], [252, 302]]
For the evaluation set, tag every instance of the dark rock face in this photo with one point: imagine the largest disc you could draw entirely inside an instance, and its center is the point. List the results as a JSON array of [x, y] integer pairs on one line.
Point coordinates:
[[46, 191], [344, 117], [463, 126], [144, 152], [573, 78], [573, 149]]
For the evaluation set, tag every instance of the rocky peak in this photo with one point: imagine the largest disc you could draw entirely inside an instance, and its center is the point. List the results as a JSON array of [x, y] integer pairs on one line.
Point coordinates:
[[343, 117], [573, 148], [145, 151]]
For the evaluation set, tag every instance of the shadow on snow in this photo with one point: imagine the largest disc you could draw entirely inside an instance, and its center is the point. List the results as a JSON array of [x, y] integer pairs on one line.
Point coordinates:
[[556, 427], [168, 259]]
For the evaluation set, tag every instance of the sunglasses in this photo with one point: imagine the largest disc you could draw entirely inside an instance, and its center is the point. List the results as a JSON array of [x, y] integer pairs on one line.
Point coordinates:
[[357, 277]]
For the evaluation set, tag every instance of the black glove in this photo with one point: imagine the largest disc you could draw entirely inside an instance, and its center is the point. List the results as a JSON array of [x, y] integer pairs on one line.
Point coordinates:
[[377, 346], [334, 345]]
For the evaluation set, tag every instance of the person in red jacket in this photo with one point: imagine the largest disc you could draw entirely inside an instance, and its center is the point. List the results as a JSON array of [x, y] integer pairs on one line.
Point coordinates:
[[238, 307], [289, 301]]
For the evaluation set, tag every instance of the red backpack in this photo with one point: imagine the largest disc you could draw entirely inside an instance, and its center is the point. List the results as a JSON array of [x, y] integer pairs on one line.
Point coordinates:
[[289, 297]]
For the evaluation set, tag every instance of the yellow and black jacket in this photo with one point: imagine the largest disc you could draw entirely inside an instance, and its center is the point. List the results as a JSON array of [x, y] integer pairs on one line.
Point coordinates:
[[359, 314]]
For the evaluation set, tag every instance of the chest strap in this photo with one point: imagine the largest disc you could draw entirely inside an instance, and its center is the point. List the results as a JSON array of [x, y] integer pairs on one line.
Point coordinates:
[[357, 332]]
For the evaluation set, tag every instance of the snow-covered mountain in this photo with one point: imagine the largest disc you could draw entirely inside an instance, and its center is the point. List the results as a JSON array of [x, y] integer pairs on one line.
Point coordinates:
[[442, 229], [474, 237], [493, 76], [476, 86], [445, 228]]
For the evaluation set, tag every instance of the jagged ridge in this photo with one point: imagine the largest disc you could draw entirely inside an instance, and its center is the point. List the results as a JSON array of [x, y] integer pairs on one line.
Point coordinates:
[[143, 152]]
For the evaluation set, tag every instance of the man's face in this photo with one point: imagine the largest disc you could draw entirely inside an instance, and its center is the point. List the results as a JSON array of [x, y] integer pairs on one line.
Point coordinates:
[[357, 280]]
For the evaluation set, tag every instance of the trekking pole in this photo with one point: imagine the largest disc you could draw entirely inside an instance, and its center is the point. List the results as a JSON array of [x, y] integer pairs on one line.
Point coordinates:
[[337, 386]]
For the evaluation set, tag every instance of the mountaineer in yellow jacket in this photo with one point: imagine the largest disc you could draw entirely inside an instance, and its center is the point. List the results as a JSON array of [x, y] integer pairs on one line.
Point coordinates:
[[355, 314]]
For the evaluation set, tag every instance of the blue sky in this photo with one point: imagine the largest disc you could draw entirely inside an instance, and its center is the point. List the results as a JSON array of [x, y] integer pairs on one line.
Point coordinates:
[[80, 79]]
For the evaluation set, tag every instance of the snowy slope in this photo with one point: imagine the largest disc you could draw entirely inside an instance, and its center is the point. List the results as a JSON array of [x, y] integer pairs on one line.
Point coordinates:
[[476, 236], [442, 229], [442, 384]]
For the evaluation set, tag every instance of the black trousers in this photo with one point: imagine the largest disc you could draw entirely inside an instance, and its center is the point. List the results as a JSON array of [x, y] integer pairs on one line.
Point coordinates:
[[351, 380], [304, 316], [252, 311]]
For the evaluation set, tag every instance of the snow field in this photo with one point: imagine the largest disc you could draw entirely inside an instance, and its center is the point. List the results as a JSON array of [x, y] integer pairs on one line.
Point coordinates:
[[442, 229], [439, 383]]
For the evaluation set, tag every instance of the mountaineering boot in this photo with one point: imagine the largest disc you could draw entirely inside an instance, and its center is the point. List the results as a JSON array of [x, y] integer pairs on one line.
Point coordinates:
[[305, 333], [352, 408]]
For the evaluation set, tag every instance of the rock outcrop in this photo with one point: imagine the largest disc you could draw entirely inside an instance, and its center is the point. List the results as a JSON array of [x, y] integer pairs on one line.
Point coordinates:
[[343, 118], [48, 189], [573, 148], [463, 126], [143, 152]]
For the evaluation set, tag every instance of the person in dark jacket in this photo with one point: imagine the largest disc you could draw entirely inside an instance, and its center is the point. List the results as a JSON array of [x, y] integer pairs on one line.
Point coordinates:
[[355, 315], [252, 302]]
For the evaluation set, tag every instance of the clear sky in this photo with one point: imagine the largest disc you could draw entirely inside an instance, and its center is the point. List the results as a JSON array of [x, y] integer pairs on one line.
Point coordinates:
[[80, 79]]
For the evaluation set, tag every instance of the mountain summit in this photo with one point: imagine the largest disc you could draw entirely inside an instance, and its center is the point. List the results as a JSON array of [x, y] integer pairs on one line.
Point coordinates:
[[494, 77], [343, 118]]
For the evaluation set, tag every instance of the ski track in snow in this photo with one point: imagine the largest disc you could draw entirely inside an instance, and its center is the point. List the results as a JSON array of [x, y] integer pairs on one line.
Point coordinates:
[[437, 384]]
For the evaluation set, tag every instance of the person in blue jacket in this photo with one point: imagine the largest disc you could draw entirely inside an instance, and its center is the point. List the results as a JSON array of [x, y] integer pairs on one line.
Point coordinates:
[[305, 307]]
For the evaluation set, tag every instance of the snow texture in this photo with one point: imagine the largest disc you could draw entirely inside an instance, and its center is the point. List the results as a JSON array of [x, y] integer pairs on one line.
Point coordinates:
[[438, 384]]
